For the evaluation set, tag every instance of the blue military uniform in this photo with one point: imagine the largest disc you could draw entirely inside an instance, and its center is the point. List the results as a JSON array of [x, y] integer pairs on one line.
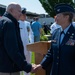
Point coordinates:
[[62, 56]]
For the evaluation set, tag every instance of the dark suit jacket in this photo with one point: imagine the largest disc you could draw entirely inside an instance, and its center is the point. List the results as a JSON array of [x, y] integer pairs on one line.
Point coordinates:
[[12, 57], [62, 56]]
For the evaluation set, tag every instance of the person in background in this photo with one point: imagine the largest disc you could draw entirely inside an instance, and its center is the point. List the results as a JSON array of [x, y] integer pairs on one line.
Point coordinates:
[[54, 26], [26, 33], [37, 29], [62, 50], [46, 28], [30, 32], [12, 58]]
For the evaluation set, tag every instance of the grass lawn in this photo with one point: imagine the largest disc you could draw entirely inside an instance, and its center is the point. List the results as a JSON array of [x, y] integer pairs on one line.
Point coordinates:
[[32, 59]]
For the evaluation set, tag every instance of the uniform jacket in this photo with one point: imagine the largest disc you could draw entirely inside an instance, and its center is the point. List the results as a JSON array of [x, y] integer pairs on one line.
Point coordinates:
[[62, 56], [25, 39], [12, 57], [30, 33]]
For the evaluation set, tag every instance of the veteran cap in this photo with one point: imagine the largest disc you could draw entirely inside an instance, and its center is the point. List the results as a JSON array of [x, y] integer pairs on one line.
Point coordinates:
[[63, 7], [23, 10]]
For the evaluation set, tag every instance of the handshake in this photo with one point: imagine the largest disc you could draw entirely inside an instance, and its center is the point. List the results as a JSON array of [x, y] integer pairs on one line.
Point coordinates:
[[35, 67]]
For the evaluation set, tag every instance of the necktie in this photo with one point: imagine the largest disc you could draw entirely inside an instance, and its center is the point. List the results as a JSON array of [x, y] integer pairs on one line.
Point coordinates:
[[62, 34]]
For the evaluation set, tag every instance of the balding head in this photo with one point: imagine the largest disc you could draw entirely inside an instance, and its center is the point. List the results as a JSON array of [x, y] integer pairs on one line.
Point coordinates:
[[14, 9], [12, 5]]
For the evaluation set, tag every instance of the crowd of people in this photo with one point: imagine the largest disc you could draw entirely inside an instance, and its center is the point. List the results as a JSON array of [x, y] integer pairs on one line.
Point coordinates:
[[16, 33]]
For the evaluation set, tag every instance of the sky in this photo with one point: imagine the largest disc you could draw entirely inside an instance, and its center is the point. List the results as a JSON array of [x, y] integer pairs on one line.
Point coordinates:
[[31, 5]]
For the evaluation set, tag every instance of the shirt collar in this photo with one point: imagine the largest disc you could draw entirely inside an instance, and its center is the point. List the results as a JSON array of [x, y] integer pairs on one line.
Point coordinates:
[[65, 30]]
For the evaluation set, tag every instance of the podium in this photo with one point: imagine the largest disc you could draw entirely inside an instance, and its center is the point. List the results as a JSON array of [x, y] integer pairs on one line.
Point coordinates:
[[40, 49]]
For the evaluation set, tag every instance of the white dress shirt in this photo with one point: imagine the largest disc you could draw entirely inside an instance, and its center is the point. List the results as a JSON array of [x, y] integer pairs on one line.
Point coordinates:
[[63, 34]]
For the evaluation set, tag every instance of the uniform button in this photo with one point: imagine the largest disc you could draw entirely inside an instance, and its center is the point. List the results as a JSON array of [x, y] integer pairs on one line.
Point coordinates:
[[57, 57], [57, 63]]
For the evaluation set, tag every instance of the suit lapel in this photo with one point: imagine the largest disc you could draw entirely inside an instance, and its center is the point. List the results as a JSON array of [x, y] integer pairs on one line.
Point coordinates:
[[68, 35]]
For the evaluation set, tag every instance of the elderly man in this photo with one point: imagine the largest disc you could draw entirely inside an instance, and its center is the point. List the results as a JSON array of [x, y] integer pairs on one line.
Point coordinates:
[[12, 59], [62, 51]]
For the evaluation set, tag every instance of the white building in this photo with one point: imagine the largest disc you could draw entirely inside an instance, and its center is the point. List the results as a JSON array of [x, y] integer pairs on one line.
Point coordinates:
[[43, 18]]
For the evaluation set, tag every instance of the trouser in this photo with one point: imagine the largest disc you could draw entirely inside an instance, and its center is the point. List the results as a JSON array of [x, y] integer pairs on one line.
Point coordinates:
[[15, 73]]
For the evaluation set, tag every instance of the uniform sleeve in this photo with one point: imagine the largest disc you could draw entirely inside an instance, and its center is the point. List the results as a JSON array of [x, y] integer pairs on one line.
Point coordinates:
[[12, 49], [47, 59]]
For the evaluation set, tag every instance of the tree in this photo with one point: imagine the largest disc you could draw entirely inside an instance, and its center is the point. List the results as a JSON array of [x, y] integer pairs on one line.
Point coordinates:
[[48, 5]]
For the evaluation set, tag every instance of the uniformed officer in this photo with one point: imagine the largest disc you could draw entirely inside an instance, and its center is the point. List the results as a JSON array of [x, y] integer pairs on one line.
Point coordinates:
[[53, 27], [62, 51], [25, 36]]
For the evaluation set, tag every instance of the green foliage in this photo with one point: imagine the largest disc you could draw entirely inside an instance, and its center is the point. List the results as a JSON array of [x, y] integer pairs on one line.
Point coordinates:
[[48, 5], [32, 60], [43, 37]]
